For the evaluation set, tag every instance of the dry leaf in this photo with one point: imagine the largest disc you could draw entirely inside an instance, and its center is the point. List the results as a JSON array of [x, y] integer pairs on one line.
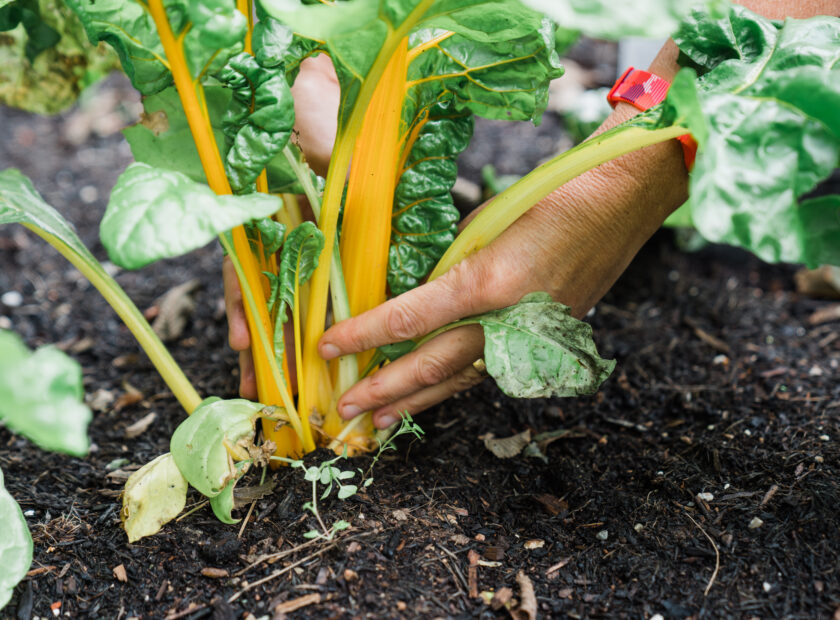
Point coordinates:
[[508, 447], [176, 306], [140, 426], [527, 609], [242, 496], [131, 396]]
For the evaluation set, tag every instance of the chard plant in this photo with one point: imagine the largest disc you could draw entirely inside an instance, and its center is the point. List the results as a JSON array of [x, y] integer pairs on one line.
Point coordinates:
[[216, 159]]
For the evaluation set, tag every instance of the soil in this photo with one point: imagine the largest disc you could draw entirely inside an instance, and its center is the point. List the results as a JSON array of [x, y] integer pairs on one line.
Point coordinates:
[[723, 387]]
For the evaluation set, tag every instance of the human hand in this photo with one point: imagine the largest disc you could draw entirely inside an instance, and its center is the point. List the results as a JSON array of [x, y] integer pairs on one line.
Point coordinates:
[[573, 245], [316, 94]]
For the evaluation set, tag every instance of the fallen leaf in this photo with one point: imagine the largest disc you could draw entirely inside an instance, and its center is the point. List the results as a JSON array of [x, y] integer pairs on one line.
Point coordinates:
[[176, 306], [140, 426], [130, 397], [508, 447], [400, 515], [501, 598], [527, 609], [242, 496], [120, 574], [460, 539], [153, 496], [100, 400]]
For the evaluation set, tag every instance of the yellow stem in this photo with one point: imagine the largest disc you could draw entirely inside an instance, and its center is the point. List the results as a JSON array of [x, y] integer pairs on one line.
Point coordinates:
[[339, 164], [508, 206]]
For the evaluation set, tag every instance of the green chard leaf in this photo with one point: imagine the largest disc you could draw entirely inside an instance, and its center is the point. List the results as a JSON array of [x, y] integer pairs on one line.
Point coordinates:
[[213, 30], [497, 65], [15, 545], [537, 349], [298, 260], [153, 496], [425, 220], [259, 120], [766, 114], [39, 35], [200, 444], [154, 214], [603, 19], [45, 58], [163, 139], [41, 396]]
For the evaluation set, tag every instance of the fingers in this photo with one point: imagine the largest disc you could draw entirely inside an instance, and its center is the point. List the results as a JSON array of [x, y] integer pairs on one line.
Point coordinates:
[[438, 362], [415, 403], [238, 335], [462, 291], [247, 376]]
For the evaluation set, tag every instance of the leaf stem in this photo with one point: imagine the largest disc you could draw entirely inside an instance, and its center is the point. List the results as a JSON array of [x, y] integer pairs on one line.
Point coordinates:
[[133, 319], [508, 206]]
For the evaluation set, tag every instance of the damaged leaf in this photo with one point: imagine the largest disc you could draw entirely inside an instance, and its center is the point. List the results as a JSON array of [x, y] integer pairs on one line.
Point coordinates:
[[154, 495], [508, 447]]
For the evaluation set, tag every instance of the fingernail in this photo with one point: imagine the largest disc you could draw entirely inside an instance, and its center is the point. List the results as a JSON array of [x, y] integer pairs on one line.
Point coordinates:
[[386, 420], [350, 411], [329, 351]]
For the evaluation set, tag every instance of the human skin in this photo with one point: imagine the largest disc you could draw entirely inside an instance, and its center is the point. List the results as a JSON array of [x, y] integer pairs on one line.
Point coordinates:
[[574, 244]]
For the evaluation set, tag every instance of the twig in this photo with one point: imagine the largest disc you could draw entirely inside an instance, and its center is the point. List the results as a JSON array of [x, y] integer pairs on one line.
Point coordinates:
[[246, 519], [281, 571], [279, 555], [717, 555], [197, 507], [769, 495], [189, 610], [454, 564]]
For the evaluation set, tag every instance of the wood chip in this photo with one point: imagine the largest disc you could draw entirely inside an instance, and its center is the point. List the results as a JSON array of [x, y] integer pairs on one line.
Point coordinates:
[[501, 598], [556, 567], [140, 426], [712, 341], [535, 543], [214, 573], [553, 505], [297, 603], [120, 574], [472, 573], [825, 315]]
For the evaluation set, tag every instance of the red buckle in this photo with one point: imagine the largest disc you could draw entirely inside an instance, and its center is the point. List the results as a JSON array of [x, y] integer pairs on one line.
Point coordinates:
[[644, 90]]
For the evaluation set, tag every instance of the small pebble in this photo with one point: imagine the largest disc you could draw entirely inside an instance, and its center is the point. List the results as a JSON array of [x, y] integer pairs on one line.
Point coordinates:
[[12, 299], [706, 497], [602, 535], [5, 322], [755, 523], [819, 459], [88, 194], [720, 360], [767, 587], [824, 438], [657, 617], [638, 527]]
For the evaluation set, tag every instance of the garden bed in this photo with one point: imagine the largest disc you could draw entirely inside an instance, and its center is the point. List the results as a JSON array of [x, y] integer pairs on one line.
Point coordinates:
[[723, 387]]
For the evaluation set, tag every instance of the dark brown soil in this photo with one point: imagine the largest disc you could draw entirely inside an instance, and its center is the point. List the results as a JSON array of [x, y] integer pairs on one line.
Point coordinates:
[[722, 387]]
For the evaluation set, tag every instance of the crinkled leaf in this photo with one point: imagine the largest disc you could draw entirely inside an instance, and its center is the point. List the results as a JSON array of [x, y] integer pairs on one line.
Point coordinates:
[[538, 349], [298, 260], [15, 545], [767, 117], [39, 35], [199, 443], [604, 19], [267, 234], [213, 30], [425, 219], [45, 58], [154, 214], [153, 496], [41, 396], [508, 447], [497, 67], [163, 139], [358, 32], [259, 120]]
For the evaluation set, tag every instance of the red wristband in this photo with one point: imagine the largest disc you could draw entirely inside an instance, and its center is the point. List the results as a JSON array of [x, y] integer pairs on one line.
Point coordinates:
[[644, 90]]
